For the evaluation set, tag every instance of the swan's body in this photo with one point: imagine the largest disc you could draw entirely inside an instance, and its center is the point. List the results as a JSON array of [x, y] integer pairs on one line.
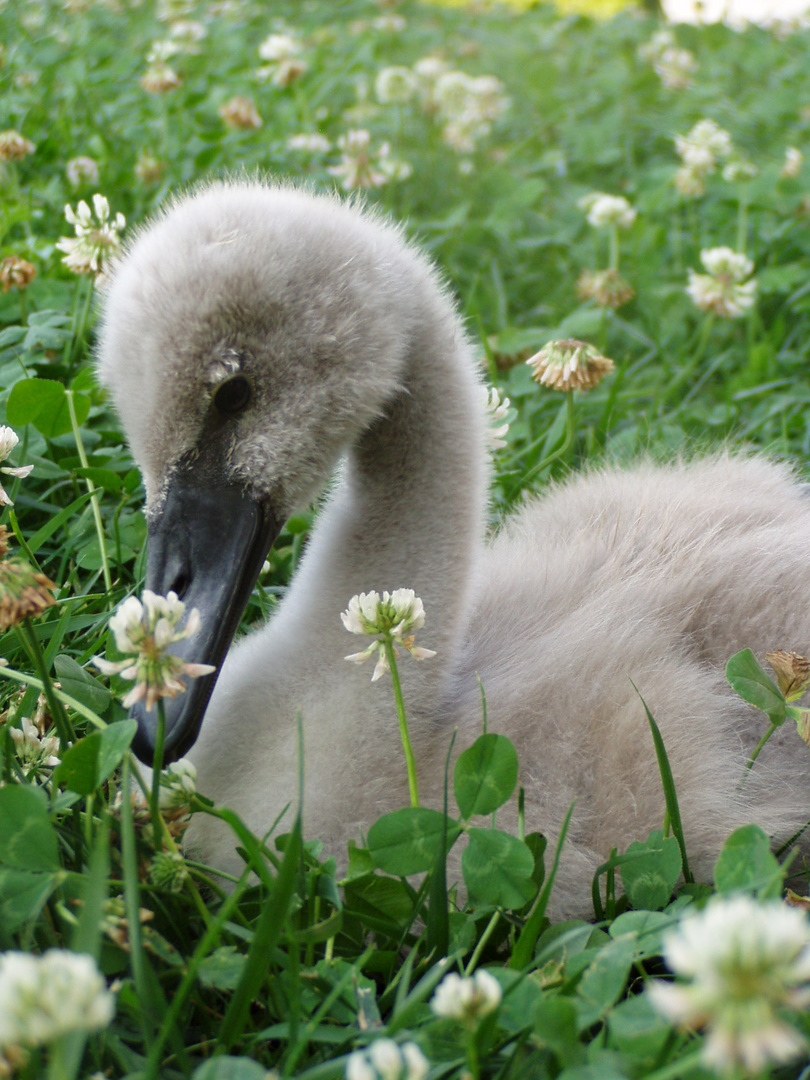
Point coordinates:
[[654, 574]]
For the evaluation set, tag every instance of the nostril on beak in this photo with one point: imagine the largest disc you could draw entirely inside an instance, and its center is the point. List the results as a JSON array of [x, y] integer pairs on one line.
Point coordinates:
[[180, 584]]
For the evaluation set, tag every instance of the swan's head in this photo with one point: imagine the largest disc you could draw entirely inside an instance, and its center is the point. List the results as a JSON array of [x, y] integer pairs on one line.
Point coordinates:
[[249, 334]]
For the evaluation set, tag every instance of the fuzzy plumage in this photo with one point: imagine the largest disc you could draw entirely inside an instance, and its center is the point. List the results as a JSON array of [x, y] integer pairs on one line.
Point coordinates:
[[652, 574]]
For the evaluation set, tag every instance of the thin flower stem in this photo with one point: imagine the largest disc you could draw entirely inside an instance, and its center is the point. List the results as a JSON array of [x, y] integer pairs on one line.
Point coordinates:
[[742, 224], [403, 723], [12, 517], [563, 447], [57, 709], [479, 948], [614, 247], [91, 487], [157, 766], [759, 746], [677, 1069]]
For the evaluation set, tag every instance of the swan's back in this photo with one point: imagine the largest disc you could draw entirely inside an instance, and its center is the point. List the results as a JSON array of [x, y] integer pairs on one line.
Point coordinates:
[[641, 583]]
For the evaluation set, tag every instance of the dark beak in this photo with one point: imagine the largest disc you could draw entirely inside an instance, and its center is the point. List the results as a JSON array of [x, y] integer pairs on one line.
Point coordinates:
[[207, 544]]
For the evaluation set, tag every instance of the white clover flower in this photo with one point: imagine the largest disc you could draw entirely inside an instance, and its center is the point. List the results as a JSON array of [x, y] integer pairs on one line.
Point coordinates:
[[282, 73], [360, 167], [701, 147], [393, 617], [81, 170], [97, 239], [658, 44], [146, 631], [188, 33], [464, 998], [159, 79], [178, 783], [428, 71], [386, 1060], [675, 68], [279, 47], [43, 997], [739, 169], [395, 85], [390, 23], [309, 143], [723, 290], [284, 61], [8, 440], [161, 51], [34, 750], [793, 163], [605, 210], [744, 960], [690, 182], [452, 93], [497, 409]]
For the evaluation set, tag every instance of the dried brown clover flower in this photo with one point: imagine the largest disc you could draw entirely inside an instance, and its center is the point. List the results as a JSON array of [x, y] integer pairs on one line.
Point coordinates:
[[569, 365]]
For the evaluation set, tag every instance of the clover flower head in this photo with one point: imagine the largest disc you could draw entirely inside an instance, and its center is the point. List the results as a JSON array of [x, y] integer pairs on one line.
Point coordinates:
[[569, 365], [428, 71], [149, 168], [168, 871], [145, 631], [497, 409], [33, 749], [385, 1059], [43, 997], [284, 61], [82, 170], [240, 112], [8, 440], [279, 47], [658, 44], [160, 78], [723, 290], [740, 962], [187, 34], [390, 23], [793, 163], [392, 618], [606, 287], [178, 782], [360, 167], [466, 998], [16, 273], [675, 68], [97, 239], [161, 51], [739, 169], [395, 85], [690, 182], [703, 145], [24, 592], [792, 672], [605, 210], [309, 143], [13, 147]]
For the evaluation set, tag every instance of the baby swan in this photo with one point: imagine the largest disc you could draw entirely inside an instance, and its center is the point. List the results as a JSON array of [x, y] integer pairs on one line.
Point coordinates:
[[256, 339]]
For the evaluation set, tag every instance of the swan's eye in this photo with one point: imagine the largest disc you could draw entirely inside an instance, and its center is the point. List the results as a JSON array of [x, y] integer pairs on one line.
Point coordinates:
[[233, 395]]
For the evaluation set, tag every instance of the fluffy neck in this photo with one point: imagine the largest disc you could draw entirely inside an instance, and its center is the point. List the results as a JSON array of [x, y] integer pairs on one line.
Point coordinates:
[[408, 509]]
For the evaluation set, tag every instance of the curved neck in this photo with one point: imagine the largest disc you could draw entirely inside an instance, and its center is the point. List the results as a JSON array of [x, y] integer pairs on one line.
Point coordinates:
[[408, 511]]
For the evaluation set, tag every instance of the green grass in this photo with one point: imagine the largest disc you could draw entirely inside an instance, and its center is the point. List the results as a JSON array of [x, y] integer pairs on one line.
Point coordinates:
[[292, 970]]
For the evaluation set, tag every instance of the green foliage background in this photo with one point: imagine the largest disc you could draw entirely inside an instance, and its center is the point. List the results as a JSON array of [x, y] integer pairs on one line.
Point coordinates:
[[291, 972]]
